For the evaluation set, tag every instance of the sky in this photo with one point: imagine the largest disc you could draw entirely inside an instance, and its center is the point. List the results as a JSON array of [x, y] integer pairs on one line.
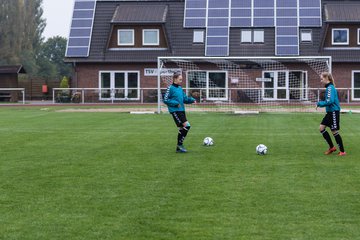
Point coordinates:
[[58, 15]]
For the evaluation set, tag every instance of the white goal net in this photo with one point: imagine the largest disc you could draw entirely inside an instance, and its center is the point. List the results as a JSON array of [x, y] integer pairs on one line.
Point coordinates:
[[246, 84]]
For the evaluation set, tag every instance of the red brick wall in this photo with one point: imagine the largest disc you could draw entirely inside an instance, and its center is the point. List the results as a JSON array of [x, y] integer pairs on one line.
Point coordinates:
[[87, 75], [342, 73]]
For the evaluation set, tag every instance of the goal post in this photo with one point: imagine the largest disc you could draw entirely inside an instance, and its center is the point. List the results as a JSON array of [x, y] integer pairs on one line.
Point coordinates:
[[231, 84]]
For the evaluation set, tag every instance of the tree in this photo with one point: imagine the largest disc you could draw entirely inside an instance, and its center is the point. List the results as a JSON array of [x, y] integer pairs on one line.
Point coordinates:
[[51, 58], [11, 18], [21, 31]]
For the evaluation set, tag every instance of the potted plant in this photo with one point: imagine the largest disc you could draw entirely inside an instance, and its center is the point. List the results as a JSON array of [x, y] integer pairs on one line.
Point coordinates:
[[64, 95]]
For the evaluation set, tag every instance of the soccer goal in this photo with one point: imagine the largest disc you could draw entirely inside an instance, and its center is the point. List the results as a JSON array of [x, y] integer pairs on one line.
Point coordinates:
[[246, 84]]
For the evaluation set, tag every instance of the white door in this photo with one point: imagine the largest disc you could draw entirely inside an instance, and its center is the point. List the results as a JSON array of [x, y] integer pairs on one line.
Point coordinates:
[[278, 86], [119, 85]]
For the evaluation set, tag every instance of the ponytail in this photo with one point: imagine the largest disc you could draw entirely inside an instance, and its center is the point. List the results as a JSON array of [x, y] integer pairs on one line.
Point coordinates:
[[329, 76]]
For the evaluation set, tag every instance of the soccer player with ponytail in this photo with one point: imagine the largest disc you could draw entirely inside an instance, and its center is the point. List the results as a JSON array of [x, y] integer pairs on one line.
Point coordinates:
[[332, 117], [175, 98]]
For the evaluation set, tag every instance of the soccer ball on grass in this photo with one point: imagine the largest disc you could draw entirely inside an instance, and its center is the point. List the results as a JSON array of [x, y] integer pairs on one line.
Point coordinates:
[[261, 149], [208, 141]]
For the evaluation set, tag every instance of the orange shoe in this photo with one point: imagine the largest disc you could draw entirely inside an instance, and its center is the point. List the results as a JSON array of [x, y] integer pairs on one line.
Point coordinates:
[[330, 151], [341, 153]]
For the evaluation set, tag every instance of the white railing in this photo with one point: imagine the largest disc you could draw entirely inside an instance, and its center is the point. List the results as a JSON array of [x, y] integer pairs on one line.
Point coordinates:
[[12, 95], [104, 95], [150, 95]]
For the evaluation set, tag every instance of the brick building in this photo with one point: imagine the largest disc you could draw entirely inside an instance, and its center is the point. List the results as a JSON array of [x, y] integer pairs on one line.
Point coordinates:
[[115, 43]]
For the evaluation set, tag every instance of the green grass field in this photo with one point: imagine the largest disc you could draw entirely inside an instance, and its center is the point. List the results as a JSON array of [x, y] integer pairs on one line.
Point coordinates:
[[117, 176]]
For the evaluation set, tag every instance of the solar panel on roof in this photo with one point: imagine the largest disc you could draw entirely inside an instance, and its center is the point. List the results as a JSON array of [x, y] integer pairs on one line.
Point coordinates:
[[287, 28], [217, 51], [195, 14], [241, 13], [80, 32], [309, 13], [83, 14], [309, 3], [240, 22], [263, 22], [77, 52], [285, 15], [217, 39], [88, 4], [240, 3], [81, 28], [196, 3], [263, 4], [286, 3], [218, 4], [286, 50], [310, 22]]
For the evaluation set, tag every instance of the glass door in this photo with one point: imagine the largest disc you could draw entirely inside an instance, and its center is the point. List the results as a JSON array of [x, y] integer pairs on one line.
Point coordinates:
[[217, 86], [277, 88], [268, 86], [132, 85], [105, 85], [119, 85]]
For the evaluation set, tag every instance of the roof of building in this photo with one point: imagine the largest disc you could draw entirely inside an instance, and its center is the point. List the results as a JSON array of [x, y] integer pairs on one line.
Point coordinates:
[[170, 15], [8, 69], [140, 14], [342, 12]]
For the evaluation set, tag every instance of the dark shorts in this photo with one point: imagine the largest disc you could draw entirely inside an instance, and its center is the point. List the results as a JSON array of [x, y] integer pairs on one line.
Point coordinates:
[[179, 118], [332, 120]]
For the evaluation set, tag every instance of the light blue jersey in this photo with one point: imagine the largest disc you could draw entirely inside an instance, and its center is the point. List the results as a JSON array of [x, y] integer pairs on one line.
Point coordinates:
[[175, 98], [331, 101]]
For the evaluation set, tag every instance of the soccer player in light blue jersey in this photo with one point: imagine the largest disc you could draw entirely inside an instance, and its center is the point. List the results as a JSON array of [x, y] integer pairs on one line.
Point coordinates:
[[175, 98], [332, 117]]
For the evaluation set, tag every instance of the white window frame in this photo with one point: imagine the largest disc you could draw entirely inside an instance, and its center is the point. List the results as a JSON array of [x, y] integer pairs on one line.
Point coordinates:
[[262, 40], [353, 85], [276, 87], [157, 37], [248, 33], [358, 36], [208, 86], [340, 29], [133, 37], [198, 36], [306, 32], [126, 83]]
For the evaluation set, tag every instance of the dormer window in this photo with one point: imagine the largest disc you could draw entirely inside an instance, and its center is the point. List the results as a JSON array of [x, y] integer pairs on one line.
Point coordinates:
[[151, 37], [340, 36], [126, 37], [252, 36]]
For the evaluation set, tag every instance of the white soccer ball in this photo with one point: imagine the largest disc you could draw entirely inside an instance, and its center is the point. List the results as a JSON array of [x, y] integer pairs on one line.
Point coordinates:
[[208, 141], [261, 149]]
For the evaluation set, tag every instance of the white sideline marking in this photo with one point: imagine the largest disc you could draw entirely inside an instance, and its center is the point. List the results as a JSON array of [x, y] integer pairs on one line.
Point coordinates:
[[246, 112], [349, 111], [145, 112]]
